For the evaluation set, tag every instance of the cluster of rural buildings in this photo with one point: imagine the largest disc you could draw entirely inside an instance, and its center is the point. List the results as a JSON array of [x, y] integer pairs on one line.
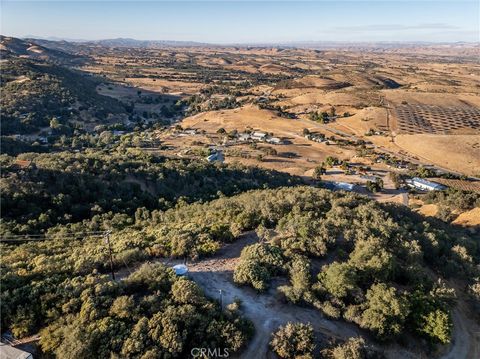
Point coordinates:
[[255, 136], [415, 183], [316, 137], [258, 136]]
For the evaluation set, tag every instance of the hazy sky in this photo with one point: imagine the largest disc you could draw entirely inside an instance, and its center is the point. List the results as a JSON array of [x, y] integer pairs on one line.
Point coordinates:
[[245, 21]]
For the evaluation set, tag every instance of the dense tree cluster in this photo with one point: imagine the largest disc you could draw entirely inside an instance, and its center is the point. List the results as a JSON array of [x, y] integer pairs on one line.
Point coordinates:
[[15, 146], [380, 257], [454, 199], [61, 188], [33, 92], [201, 103], [150, 314], [259, 263]]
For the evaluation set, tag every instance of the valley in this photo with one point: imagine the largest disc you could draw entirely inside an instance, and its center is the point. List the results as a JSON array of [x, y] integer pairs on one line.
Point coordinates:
[[330, 189]]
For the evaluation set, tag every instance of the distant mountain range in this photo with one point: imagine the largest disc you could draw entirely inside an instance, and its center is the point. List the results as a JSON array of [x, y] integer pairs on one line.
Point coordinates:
[[123, 42], [128, 42], [53, 38]]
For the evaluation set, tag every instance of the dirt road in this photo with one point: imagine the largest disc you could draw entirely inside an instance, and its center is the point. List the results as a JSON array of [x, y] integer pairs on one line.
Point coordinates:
[[465, 338], [266, 311]]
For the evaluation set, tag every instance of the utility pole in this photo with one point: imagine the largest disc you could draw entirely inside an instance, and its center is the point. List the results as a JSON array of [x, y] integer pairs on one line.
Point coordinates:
[[221, 299], [107, 240]]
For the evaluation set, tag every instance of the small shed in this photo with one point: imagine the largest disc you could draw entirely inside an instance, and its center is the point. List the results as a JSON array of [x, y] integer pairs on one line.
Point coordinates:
[[216, 157], [259, 136], [180, 269], [345, 186], [274, 140]]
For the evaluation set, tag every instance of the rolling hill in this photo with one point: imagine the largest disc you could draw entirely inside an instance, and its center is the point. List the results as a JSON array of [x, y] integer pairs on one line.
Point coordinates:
[[11, 47], [34, 92]]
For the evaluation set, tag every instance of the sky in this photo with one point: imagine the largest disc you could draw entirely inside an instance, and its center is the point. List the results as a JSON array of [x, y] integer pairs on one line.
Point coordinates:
[[227, 22]]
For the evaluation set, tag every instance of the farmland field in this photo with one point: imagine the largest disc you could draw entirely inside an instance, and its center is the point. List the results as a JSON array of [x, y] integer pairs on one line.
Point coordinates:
[[414, 119]]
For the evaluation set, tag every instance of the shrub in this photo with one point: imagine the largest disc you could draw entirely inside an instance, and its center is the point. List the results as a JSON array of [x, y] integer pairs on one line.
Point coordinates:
[[330, 310], [293, 340], [252, 272], [385, 311], [438, 326], [187, 292], [338, 279], [299, 272], [258, 263], [353, 348]]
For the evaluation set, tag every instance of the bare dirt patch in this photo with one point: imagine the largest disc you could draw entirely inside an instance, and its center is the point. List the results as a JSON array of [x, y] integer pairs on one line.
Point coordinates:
[[267, 311], [469, 219], [458, 153]]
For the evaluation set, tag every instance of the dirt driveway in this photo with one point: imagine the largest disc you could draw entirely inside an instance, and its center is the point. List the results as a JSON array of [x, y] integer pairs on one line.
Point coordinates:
[[267, 311]]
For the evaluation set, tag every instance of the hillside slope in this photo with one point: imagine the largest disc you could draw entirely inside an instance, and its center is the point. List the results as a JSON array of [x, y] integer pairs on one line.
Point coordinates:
[[33, 92], [380, 267], [14, 47]]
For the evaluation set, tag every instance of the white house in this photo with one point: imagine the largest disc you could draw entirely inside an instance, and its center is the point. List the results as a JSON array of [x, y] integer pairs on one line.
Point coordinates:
[[244, 137], [274, 140], [259, 136], [190, 132], [216, 157], [424, 185]]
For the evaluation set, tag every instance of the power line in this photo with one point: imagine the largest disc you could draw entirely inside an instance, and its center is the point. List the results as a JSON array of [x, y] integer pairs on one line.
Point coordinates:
[[44, 234], [43, 237], [78, 235]]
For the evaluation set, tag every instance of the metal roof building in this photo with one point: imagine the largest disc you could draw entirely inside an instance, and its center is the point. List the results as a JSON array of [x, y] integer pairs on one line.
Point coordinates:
[[424, 185], [216, 157], [9, 352], [345, 186]]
